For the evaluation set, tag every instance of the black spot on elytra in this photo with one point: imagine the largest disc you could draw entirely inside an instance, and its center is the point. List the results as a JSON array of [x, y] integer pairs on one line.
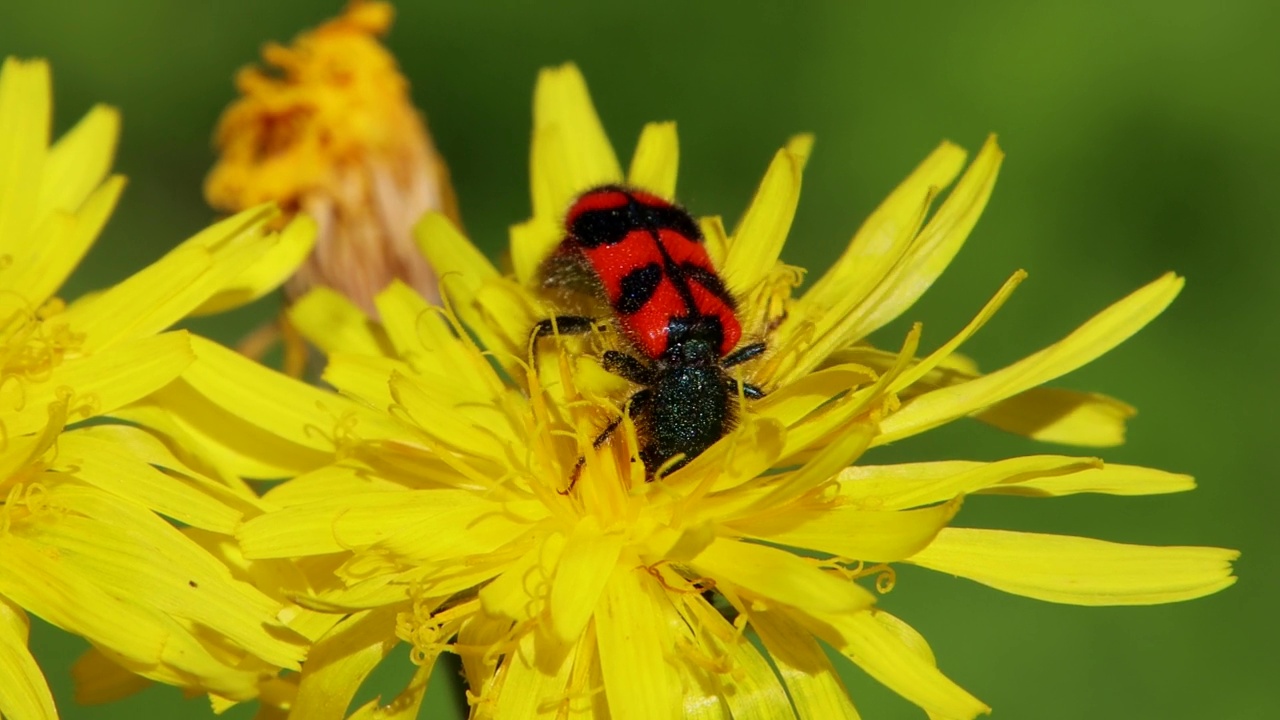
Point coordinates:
[[710, 281], [594, 228], [638, 287], [673, 218]]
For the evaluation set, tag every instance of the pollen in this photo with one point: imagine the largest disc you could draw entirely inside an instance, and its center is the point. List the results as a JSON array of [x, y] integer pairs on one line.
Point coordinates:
[[328, 128]]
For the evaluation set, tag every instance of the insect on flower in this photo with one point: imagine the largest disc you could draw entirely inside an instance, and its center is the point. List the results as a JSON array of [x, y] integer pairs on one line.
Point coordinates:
[[646, 258]]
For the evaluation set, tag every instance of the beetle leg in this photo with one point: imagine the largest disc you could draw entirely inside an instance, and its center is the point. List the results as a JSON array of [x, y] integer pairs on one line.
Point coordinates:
[[629, 368], [749, 391], [743, 354], [640, 399], [563, 325]]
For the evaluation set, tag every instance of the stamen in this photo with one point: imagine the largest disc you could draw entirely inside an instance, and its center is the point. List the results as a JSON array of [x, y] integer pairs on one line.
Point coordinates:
[[85, 405], [886, 577], [6, 510], [33, 496], [32, 349], [427, 629]]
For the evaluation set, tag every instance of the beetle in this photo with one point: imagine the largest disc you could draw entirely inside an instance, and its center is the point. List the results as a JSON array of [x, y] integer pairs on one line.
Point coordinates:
[[646, 258]]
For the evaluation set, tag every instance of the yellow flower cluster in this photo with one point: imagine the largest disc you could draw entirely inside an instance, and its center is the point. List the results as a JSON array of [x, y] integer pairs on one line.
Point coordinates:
[[424, 494], [103, 528]]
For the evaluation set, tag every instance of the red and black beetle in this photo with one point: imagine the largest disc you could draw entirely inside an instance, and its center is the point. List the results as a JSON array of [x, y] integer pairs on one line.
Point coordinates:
[[646, 258]]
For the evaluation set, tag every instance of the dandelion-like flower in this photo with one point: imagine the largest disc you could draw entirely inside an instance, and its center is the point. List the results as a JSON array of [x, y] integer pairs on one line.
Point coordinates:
[[451, 524], [83, 543], [329, 129]]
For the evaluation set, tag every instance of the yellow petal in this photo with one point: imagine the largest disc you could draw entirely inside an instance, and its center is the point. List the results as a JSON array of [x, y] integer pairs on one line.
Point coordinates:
[[795, 401], [364, 376], [58, 245], [403, 312], [848, 532], [937, 357], [932, 250], [24, 138], [886, 655], [912, 484], [1078, 571], [331, 322], [116, 542], [79, 161], [1101, 333], [110, 467], [69, 600], [517, 593], [585, 566], [896, 492], [571, 154], [414, 524], [800, 146], [428, 340], [841, 452], [98, 384], [760, 235], [532, 679], [532, 242], [465, 275], [856, 413], [716, 238], [634, 641], [24, 693], [752, 690], [481, 630], [339, 662], [1061, 416], [428, 525], [170, 288], [656, 160], [149, 448], [382, 589], [561, 103], [277, 264], [751, 449], [587, 702], [453, 256], [260, 401], [1069, 417], [780, 575], [406, 704], [814, 684], [472, 437], [99, 680], [328, 482], [1110, 479], [863, 271], [228, 443]]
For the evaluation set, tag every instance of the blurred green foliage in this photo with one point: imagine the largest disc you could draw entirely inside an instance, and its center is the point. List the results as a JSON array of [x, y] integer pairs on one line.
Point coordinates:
[[1141, 137]]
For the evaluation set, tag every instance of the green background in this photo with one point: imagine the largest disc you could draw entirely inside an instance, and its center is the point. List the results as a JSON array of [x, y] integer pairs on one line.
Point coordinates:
[[1141, 137]]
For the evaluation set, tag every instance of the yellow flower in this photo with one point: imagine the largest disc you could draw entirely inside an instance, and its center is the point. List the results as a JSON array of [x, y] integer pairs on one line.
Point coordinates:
[[330, 130], [450, 523], [83, 543]]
